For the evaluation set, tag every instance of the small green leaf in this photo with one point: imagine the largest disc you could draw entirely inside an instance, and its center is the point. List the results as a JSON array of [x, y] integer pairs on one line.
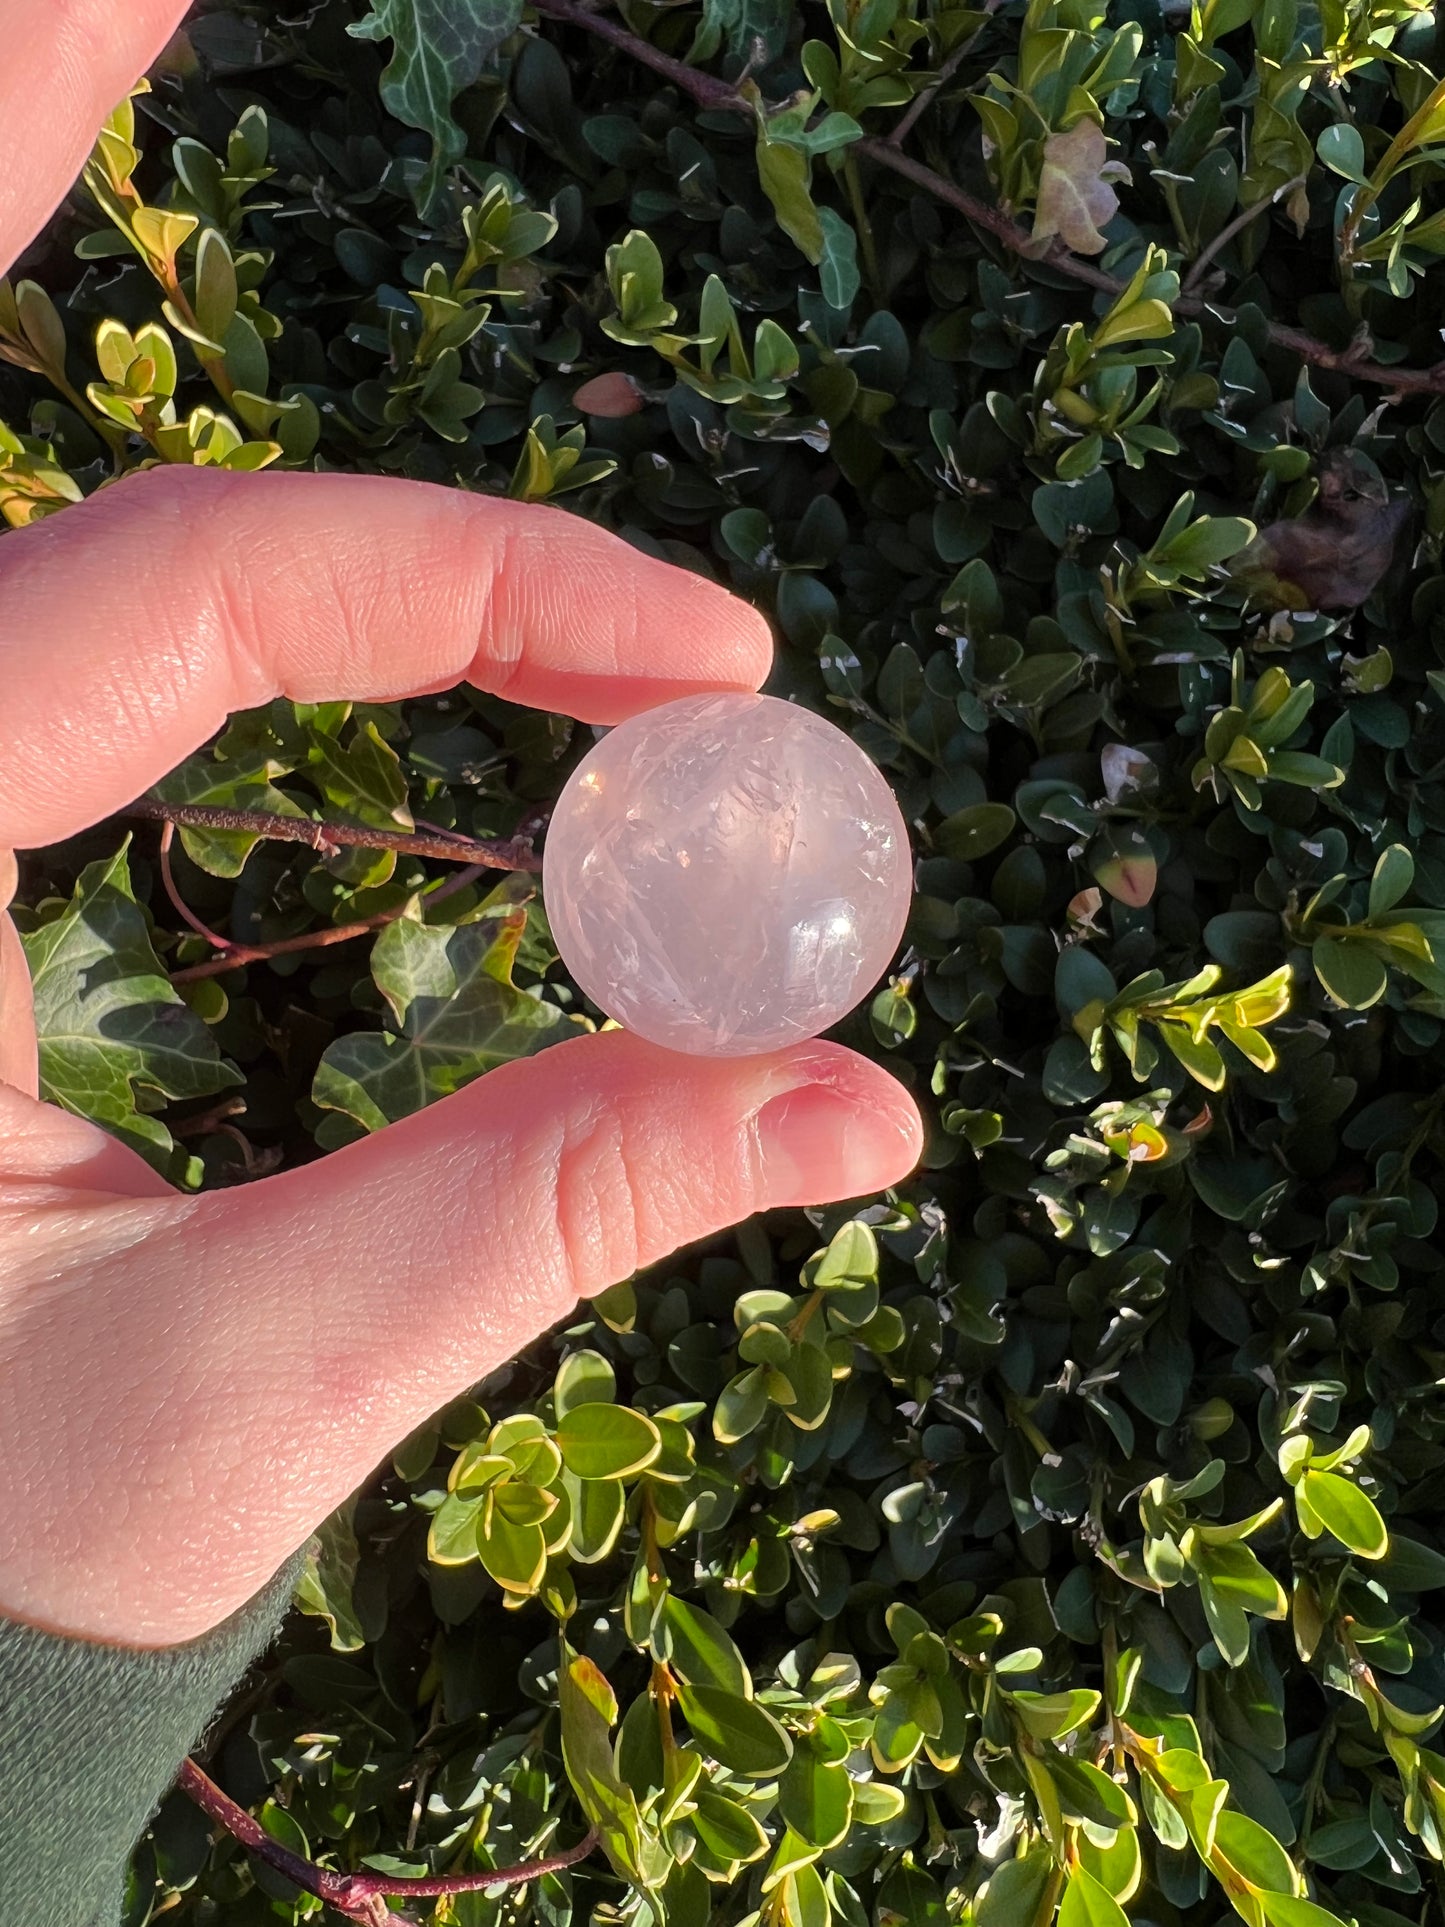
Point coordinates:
[[1343, 151], [805, 1899], [325, 1585], [1290, 1910], [726, 1827], [1334, 1502], [1352, 975], [601, 1441], [1016, 1890], [583, 1378], [838, 274], [699, 1650], [1086, 1792], [1087, 1903], [850, 1259], [741, 1406], [785, 174], [815, 1797], [599, 1508], [1390, 884], [1253, 1852], [514, 1555], [452, 1539], [738, 1733], [974, 832]]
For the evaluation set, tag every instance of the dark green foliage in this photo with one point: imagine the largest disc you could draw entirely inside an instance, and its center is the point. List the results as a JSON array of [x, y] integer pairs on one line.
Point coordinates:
[[1064, 1534]]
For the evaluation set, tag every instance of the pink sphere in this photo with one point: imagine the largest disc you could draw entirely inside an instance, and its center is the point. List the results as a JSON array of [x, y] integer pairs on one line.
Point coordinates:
[[727, 874]]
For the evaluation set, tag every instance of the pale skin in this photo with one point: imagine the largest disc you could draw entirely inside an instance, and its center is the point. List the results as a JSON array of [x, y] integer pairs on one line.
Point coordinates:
[[188, 1385]]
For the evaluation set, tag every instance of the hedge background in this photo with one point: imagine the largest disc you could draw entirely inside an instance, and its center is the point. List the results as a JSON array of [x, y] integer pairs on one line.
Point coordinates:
[[1065, 384]]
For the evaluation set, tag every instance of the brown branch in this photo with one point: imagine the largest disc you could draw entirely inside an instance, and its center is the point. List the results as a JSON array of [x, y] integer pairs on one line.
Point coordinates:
[[921, 102], [360, 1896], [233, 956], [500, 853], [704, 89], [716, 94]]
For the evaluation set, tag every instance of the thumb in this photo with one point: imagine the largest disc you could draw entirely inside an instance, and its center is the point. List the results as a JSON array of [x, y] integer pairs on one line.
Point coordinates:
[[296, 1329], [434, 1250]]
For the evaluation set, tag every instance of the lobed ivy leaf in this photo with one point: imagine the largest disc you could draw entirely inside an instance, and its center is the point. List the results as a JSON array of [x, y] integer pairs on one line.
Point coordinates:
[[458, 1015], [116, 1040], [439, 47]]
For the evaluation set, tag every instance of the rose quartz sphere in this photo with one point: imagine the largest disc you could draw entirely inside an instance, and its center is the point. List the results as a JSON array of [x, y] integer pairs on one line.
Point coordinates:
[[726, 874]]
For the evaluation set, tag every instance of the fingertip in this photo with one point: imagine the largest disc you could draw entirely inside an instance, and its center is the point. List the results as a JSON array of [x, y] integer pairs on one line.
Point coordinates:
[[847, 1129], [578, 619], [744, 640]]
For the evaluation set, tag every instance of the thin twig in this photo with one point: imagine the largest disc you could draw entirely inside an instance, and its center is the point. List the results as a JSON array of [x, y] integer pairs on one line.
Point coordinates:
[[233, 956], [921, 102], [1227, 233], [500, 853], [716, 94], [360, 1896], [249, 953], [178, 902]]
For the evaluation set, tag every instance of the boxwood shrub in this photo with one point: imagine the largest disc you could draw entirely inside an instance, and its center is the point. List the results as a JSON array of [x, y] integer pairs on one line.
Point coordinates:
[[1061, 1535]]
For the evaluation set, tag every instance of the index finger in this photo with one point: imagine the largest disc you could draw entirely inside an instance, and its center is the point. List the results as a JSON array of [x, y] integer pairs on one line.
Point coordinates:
[[132, 624], [66, 64]]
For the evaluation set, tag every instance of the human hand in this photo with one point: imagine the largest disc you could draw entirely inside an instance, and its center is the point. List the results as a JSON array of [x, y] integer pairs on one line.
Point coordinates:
[[188, 1385]]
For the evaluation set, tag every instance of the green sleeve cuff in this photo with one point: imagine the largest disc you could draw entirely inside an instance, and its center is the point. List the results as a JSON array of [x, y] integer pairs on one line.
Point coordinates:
[[91, 1738]]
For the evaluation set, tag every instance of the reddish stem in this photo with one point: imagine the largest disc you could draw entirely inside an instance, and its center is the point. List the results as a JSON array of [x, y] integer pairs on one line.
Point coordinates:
[[360, 1896], [178, 902], [233, 956]]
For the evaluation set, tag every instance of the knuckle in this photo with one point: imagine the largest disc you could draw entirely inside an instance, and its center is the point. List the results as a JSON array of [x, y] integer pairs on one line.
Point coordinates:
[[598, 1207]]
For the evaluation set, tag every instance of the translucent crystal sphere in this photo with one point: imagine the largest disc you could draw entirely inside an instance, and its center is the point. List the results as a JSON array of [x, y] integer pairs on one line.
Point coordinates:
[[727, 874]]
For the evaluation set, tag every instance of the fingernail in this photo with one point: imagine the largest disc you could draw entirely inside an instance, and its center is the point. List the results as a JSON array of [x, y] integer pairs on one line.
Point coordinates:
[[816, 1146]]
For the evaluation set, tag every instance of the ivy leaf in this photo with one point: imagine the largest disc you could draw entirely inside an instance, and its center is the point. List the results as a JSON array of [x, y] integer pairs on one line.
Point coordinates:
[[754, 31], [440, 47], [222, 853], [1075, 199], [457, 1018], [116, 1041]]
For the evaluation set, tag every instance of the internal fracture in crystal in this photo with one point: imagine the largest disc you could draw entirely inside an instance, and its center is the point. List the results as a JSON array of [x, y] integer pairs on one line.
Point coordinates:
[[727, 874]]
